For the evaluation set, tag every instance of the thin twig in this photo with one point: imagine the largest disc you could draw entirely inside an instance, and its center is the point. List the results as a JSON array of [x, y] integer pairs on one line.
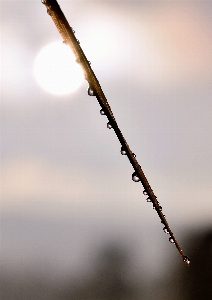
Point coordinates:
[[94, 89]]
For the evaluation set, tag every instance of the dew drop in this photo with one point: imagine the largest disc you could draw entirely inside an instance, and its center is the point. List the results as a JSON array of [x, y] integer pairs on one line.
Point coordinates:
[[123, 151], [91, 91], [133, 155], [153, 207], [165, 230], [73, 30], [109, 125], [160, 207], [135, 177], [187, 260], [102, 112], [148, 199], [145, 192], [89, 62], [78, 41], [171, 240]]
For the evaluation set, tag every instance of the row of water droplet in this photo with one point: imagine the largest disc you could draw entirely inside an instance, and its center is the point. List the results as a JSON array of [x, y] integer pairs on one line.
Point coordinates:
[[91, 92], [136, 178]]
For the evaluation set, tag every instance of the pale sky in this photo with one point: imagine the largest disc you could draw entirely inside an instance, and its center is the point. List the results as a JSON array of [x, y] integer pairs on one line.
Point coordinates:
[[61, 166]]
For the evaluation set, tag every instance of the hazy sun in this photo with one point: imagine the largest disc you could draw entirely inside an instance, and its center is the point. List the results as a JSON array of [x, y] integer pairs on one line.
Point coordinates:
[[56, 69]]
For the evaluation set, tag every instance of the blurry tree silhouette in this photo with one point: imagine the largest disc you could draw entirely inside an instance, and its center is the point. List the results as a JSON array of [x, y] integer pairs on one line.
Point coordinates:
[[196, 281], [111, 281]]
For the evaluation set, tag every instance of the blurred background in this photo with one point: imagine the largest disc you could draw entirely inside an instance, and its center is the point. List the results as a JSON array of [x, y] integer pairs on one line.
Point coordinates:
[[73, 223]]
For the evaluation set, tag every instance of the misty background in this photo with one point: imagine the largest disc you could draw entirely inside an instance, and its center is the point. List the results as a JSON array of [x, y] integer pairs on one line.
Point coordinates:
[[73, 223]]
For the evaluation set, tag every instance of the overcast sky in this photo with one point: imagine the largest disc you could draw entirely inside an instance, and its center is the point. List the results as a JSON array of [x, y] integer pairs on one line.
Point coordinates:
[[65, 188]]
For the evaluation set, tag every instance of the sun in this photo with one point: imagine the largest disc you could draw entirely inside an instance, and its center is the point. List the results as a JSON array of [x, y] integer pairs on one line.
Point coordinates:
[[56, 70]]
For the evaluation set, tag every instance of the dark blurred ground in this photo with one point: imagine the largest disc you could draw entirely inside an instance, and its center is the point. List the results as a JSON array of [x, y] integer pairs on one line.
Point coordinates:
[[109, 278]]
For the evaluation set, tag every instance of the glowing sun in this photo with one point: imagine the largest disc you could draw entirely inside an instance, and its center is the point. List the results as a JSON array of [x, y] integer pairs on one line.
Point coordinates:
[[56, 69]]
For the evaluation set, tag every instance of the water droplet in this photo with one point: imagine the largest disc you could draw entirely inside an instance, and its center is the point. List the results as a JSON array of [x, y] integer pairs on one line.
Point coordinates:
[[145, 192], [160, 207], [89, 62], [134, 155], [109, 125], [187, 260], [171, 240], [91, 91], [78, 41], [73, 30], [123, 151], [135, 177], [165, 230], [102, 112], [153, 207], [148, 199]]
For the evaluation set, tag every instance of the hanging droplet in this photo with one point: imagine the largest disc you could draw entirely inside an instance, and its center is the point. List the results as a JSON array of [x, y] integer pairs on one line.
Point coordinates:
[[134, 155], [187, 260], [145, 192], [73, 30], [160, 207], [148, 199], [153, 207], [91, 91], [135, 177], [171, 240], [123, 151], [165, 230], [102, 112], [109, 125], [89, 62]]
